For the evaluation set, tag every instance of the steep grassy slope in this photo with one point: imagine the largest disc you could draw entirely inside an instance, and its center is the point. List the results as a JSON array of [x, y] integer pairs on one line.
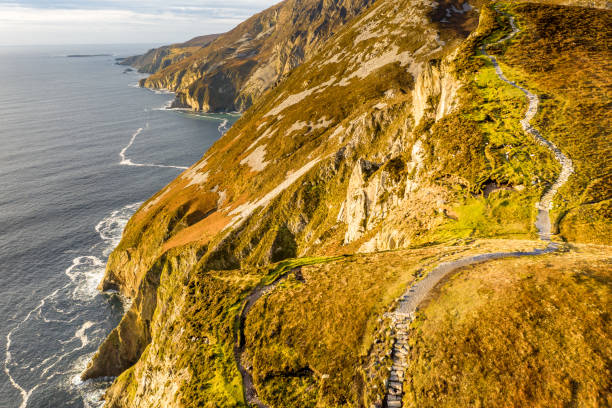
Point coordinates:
[[240, 65], [524, 332], [240, 206], [575, 112], [159, 58], [396, 134], [317, 339]]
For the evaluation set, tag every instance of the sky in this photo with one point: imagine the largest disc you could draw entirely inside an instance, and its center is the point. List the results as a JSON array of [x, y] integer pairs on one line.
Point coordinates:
[[40, 22]]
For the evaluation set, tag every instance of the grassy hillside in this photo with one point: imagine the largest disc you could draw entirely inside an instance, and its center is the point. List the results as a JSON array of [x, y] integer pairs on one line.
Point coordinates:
[[396, 135], [482, 142], [575, 110], [318, 339], [514, 333]]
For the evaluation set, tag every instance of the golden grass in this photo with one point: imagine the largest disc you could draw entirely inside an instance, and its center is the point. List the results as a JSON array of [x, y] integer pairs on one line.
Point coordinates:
[[563, 54], [309, 339], [532, 331]]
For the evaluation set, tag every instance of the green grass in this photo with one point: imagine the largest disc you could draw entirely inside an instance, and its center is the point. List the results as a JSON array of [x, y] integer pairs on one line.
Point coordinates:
[[288, 264], [574, 110], [482, 142], [502, 214], [212, 303], [215, 299]]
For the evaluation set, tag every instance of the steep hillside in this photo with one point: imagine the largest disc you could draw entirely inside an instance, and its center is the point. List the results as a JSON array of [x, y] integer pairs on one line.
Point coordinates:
[[266, 273], [159, 58], [575, 106], [240, 65]]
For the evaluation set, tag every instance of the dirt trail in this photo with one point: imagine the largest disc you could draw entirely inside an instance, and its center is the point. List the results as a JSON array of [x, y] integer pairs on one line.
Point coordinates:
[[250, 394], [411, 299]]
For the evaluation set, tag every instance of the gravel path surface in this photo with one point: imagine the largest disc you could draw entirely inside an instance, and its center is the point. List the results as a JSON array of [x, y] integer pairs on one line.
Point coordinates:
[[410, 300]]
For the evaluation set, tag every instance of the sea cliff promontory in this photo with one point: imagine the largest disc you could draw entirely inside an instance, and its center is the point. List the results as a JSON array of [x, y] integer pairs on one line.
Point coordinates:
[[382, 143], [230, 72]]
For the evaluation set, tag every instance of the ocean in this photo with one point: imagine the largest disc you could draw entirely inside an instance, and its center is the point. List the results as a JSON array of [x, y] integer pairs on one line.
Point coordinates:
[[81, 147]]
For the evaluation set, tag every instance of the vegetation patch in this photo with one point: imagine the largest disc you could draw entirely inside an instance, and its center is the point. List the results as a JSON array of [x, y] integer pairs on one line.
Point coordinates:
[[575, 104], [213, 300], [310, 339], [483, 142], [531, 331]]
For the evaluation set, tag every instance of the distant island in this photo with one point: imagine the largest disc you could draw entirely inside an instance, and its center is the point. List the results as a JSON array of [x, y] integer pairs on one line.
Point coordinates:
[[88, 55]]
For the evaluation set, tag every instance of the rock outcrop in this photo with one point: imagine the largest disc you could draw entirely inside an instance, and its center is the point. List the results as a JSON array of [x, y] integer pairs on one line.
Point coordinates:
[[235, 69], [370, 143], [157, 59], [374, 198]]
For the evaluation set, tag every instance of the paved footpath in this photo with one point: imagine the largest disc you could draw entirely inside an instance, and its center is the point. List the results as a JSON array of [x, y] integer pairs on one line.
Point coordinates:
[[410, 300]]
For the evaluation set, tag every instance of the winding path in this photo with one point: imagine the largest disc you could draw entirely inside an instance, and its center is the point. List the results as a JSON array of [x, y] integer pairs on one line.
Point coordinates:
[[411, 299], [250, 394]]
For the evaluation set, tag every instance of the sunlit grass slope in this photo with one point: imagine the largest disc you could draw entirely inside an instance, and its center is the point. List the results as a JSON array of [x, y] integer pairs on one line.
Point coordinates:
[[527, 332]]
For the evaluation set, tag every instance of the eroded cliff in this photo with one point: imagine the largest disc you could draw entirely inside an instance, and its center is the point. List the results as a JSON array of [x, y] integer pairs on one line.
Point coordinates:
[[230, 73], [159, 58], [395, 134]]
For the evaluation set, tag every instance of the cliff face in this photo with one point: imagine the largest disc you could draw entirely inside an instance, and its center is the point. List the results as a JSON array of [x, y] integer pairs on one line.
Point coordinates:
[[393, 133], [159, 58], [273, 186], [230, 73]]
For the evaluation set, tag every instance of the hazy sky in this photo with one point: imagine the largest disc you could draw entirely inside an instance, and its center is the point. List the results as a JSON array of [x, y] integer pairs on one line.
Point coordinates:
[[119, 21]]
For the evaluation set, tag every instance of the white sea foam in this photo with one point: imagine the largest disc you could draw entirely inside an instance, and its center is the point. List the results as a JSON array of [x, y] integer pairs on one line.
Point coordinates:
[[81, 333], [166, 106], [127, 162], [223, 127], [111, 227], [8, 357], [90, 390], [158, 91], [83, 275]]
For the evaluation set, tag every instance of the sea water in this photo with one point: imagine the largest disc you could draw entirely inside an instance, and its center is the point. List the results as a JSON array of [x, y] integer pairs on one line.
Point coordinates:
[[81, 147]]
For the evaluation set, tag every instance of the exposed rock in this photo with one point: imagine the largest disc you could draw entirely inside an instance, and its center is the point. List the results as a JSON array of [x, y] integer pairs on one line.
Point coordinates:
[[159, 58], [361, 196], [435, 92], [235, 69]]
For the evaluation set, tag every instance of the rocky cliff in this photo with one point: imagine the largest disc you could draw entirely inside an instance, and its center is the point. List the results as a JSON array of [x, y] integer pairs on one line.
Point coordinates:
[[159, 58], [393, 133], [230, 73]]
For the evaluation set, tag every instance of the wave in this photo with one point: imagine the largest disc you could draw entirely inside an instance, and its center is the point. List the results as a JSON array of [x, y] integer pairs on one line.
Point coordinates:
[[68, 315], [223, 127], [167, 106], [127, 162], [159, 91]]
